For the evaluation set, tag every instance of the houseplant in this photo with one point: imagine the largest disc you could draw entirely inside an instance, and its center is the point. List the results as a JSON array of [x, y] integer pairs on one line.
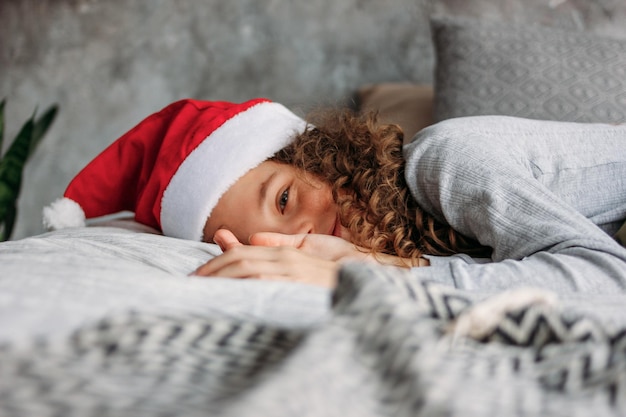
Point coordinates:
[[13, 161]]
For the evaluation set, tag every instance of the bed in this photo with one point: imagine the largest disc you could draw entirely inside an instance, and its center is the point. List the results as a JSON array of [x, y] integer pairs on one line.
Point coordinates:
[[106, 321]]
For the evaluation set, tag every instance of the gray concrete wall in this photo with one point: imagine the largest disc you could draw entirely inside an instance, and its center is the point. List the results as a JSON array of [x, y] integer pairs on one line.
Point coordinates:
[[110, 63]]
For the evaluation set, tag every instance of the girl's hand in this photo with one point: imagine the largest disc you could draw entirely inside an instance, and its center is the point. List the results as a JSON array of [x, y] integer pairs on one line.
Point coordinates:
[[306, 258], [327, 247], [331, 248], [286, 263]]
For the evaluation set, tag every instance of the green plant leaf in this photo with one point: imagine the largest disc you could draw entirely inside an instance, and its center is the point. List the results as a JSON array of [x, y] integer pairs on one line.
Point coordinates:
[[13, 162], [11, 167], [41, 127], [7, 223], [16, 155]]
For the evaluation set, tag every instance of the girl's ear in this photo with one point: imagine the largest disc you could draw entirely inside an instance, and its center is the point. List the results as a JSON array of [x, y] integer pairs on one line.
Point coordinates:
[[226, 239]]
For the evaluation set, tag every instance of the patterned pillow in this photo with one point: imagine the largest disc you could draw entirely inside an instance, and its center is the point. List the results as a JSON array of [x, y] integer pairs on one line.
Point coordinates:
[[535, 72]]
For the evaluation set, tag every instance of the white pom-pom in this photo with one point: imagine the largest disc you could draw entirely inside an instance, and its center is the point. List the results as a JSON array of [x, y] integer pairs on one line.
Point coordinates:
[[63, 213]]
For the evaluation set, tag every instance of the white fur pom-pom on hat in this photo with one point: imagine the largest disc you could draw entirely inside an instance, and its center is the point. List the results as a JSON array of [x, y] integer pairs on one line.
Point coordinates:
[[63, 213]]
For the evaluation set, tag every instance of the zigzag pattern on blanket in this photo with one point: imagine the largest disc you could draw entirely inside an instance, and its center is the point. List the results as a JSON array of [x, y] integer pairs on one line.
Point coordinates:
[[139, 365], [403, 334], [561, 354]]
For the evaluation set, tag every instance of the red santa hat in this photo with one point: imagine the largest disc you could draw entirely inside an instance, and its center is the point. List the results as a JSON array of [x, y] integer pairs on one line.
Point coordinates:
[[173, 167]]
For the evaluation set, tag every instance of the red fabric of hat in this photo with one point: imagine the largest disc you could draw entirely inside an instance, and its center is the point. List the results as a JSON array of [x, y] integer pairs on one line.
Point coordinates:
[[171, 169]]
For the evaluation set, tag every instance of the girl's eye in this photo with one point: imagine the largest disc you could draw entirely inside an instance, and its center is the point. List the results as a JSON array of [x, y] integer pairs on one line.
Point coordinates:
[[284, 198]]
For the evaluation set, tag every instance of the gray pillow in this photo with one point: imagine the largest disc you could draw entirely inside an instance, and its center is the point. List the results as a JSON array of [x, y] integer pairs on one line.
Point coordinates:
[[536, 72]]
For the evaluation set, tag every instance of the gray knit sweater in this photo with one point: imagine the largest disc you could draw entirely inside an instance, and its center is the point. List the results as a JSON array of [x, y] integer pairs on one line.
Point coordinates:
[[547, 196]]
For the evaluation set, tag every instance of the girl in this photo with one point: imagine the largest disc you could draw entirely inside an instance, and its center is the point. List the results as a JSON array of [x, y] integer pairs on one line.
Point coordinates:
[[548, 195], [534, 195]]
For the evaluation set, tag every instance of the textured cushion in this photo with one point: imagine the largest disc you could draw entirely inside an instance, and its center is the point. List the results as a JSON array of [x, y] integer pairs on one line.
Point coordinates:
[[408, 105], [485, 67]]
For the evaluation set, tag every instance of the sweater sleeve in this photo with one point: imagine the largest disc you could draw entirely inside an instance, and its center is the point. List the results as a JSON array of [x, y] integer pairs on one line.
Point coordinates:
[[537, 192]]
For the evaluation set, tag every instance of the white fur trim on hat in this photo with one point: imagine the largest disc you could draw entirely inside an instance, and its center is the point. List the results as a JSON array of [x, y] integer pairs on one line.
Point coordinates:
[[237, 146], [63, 213]]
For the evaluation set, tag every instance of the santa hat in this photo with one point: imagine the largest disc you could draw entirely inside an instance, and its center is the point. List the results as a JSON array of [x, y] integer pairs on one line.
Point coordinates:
[[173, 167]]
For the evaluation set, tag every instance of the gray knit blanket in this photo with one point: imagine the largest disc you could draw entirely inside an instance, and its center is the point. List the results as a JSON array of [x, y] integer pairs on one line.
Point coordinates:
[[392, 346]]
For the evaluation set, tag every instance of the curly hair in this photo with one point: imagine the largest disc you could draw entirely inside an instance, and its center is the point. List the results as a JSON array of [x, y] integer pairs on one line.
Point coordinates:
[[361, 159]]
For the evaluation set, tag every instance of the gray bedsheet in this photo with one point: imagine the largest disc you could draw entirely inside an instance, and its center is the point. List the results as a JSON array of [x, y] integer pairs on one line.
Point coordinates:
[[390, 345], [54, 283]]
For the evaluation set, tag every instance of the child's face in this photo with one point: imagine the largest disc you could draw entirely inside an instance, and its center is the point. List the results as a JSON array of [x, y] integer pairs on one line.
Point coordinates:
[[275, 197]]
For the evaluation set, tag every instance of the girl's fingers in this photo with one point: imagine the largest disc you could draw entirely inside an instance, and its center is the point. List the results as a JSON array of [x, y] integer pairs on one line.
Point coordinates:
[[276, 239], [322, 246], [271, 263], [226, 239], [243, 255]]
